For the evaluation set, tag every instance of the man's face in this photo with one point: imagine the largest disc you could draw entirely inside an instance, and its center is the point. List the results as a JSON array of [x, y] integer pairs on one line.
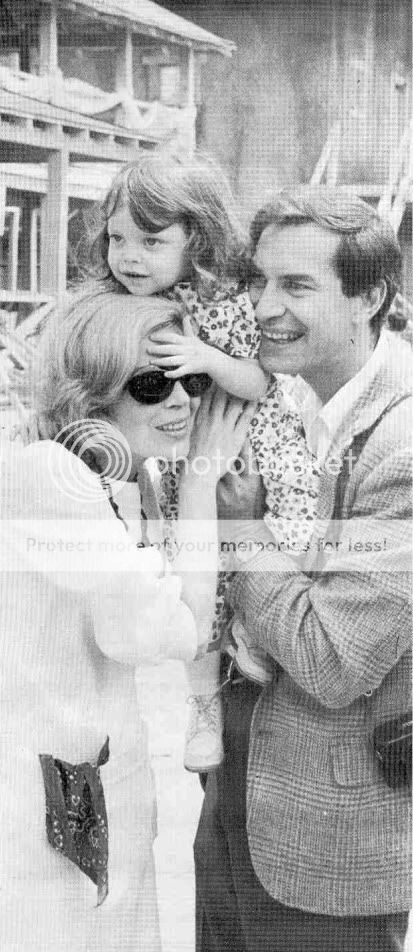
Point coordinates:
[[305, 319]]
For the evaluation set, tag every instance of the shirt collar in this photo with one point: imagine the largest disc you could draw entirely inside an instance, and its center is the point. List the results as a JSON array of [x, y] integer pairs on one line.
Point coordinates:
[[322, 423]]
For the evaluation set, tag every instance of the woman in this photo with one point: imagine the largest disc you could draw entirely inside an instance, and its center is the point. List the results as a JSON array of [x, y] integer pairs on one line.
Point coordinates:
[[84, 598]]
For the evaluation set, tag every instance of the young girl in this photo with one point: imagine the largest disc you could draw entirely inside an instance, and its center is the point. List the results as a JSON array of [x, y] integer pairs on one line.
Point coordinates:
[[170, 229]]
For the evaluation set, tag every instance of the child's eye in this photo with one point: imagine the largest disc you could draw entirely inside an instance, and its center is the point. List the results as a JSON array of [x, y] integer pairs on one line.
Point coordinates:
[[151, 242], [115, 238]]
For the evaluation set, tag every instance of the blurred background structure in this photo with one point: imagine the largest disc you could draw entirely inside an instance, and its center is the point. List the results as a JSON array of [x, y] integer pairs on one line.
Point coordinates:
[[84, 85], [315, 89], [279, 91]]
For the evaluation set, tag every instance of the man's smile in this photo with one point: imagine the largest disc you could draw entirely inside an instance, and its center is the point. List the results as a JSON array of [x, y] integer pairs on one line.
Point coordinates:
[[281, 336]]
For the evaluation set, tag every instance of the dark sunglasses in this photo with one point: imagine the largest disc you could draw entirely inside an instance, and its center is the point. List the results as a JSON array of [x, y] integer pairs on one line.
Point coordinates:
[[152, 386]]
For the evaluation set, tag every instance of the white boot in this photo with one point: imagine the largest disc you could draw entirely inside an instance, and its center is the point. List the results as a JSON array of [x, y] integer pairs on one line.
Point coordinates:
[[203, 742]]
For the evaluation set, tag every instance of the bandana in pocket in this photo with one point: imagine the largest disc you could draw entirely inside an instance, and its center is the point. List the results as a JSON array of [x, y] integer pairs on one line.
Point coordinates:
[[76, 819]]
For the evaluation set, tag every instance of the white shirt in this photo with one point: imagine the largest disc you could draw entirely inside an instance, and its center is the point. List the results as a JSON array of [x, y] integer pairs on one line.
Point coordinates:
[[322, 423]]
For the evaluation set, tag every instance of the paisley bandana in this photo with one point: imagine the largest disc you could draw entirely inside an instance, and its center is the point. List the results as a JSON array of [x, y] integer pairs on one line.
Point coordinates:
[[76, 819]]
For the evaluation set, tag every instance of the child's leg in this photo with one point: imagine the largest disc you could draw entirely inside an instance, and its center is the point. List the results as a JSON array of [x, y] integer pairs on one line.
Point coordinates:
[[203, 747], [203, 742], [203, 675]]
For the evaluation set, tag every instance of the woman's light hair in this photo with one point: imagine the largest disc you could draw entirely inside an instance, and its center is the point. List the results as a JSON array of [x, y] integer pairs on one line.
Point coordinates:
[[91, 350]]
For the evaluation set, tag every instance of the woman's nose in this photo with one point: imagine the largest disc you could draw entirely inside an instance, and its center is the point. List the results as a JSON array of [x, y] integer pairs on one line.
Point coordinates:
[[270, 303], [178, 397]]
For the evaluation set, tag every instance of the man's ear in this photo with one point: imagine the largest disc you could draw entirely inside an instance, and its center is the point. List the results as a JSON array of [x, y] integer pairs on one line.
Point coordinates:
[[371, 301]]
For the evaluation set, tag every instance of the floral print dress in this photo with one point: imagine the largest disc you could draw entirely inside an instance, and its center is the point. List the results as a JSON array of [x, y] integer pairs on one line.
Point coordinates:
[[289, 471]]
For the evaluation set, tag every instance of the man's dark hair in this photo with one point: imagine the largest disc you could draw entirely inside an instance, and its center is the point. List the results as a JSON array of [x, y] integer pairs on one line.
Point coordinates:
[[368, 251]]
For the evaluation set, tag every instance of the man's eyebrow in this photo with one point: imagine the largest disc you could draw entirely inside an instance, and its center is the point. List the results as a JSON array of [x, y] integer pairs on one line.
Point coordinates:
[[303, 278]]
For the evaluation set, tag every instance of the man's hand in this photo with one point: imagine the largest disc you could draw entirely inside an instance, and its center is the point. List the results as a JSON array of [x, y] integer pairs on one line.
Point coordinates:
[[242, 495]]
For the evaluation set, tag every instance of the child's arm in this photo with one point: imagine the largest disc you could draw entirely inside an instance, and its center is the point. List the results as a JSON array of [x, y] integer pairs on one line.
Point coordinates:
[[241, 377]]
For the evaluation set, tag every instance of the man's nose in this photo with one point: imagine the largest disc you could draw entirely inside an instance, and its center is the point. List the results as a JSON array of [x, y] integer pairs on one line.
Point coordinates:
[[178, 397], [270, 304]]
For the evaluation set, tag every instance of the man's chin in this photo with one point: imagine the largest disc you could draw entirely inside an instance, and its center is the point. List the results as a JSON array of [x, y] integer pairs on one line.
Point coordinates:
[[278, 363]]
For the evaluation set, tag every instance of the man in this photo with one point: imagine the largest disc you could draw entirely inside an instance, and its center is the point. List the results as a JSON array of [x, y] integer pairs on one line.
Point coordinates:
[[306, 848]]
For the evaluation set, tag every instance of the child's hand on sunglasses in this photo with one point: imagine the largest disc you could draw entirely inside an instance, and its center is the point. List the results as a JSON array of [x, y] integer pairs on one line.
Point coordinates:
[[180, 354]]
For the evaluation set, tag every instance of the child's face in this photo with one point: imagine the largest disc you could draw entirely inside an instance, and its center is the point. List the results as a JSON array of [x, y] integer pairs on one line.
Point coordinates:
[[145, 263]]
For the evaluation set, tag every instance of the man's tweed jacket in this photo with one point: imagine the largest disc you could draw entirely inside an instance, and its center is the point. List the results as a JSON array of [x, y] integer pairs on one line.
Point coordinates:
[[326, 833]]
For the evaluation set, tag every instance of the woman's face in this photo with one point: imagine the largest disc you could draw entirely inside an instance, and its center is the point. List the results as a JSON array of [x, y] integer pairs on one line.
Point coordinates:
[[162, 429]]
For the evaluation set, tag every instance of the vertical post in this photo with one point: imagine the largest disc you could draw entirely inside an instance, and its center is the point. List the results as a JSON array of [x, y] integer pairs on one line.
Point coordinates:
[[190, 98], [333, 159], [124, 65], [14, 212], [333, 104], [3, 193], [34, 249], [48, 59], [54, 219]]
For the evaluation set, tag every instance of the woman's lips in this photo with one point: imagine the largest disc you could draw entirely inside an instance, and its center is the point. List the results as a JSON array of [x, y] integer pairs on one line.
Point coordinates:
[[176, 428]]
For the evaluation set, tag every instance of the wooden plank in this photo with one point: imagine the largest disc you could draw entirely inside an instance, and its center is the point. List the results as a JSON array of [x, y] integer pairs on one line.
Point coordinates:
[[191, 100], [333, 160], [124, 64], [18, 106], [48, 62], [328, 161], [15, 212], [35, 216], [116, 146], [53, 254], [3, 191], [24, 297]]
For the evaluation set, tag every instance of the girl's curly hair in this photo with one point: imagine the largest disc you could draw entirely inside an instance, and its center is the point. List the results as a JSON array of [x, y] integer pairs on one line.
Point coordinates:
[[160, 190]]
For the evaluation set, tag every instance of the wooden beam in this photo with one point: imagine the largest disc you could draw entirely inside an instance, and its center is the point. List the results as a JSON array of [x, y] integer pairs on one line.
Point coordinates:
[[124, 64], [3, 192], [191, 77], [111, 145], [10, 297], [191, 104], [48, 59], [54, 218]]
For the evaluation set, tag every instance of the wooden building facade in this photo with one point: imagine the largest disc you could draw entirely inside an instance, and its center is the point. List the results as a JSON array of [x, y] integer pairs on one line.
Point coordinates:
[[84, 85], [301, 66]]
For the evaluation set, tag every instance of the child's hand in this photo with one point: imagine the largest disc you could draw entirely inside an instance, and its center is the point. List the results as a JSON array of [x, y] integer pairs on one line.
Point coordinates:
[[186, 354]]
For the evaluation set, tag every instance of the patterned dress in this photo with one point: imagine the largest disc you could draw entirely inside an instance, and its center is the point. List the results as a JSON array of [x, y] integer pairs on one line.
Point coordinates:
[[289, 471]]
